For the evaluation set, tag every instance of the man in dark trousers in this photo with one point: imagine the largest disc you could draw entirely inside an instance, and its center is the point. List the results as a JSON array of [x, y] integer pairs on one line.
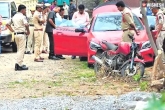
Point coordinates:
[[72, 9], [49, 29]]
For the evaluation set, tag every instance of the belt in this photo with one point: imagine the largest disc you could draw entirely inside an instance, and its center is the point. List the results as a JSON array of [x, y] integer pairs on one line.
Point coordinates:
[[128, 29], [38, 29], [19, 33], [162, 30], [31, 24]]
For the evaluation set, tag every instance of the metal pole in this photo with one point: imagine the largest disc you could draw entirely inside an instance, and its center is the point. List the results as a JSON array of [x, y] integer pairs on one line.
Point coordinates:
[[144, 17]]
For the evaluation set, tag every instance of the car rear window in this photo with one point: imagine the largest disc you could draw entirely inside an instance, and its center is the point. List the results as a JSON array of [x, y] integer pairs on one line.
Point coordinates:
[[112, 23], [4, 9]]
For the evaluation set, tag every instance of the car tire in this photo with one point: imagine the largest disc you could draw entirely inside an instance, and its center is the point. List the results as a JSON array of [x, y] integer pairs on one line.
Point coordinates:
[[14, 47], [83, 58]]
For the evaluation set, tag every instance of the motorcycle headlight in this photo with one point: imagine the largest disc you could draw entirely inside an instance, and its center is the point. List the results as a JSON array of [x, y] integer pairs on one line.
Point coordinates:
[[94, 46], [146, 45]]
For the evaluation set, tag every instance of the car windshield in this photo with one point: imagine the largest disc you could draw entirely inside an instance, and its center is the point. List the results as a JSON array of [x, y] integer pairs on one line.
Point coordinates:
[[4, 9], [112, 23], [67, 23], [151, 20]]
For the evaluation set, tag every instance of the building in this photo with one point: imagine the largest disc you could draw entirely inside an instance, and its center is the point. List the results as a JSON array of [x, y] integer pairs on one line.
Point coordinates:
[[27, 3]]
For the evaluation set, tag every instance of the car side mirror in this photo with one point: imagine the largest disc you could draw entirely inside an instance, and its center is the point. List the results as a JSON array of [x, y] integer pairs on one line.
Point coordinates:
[[80, 30], [152, 27]]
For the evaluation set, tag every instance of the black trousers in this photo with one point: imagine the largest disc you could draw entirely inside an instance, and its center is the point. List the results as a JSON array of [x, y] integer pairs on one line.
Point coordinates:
[[51, 44]]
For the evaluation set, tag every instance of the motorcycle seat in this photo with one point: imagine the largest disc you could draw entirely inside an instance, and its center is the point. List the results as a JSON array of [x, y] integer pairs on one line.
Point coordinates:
[[110, 46]]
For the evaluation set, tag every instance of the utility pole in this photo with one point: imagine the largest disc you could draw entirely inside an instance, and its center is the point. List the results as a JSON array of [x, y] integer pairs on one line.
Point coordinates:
[[143, 11]]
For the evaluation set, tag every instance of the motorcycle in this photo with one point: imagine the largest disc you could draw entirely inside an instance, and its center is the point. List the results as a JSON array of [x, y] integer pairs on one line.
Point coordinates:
[[122, 59]]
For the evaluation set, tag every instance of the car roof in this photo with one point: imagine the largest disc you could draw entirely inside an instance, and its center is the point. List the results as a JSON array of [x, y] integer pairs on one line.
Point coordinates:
[[106, 7]]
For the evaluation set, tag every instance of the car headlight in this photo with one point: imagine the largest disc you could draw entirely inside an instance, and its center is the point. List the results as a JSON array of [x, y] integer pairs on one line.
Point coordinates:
[[146, 45], [94, 46]]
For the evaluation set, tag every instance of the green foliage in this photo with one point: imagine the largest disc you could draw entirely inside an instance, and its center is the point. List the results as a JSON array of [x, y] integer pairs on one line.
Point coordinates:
[[143, 85], [155, 104], [137, 77]]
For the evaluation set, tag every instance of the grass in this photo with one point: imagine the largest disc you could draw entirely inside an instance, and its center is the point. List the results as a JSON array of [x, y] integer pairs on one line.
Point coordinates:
[[77, 80]]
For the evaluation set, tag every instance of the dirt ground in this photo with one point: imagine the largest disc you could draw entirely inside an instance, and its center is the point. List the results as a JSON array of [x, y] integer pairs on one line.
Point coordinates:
[[51, 78]]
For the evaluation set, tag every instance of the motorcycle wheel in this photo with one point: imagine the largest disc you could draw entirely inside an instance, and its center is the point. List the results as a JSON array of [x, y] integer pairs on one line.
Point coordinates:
[[138, 69], [100, 71]]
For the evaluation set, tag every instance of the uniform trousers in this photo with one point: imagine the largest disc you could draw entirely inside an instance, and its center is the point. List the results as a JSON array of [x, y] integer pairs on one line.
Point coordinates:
[[159, 43], [20, 40], [38, 36]]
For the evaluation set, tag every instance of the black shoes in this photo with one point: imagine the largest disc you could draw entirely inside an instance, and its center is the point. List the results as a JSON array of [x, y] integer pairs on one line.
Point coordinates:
[[28, 52], [19, 68], [53, 58], [60, 57]]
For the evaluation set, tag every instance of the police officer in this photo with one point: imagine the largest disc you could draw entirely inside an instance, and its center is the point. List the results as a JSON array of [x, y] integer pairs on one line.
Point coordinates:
[[127, 23], [45, 42], [160, 27], [21, 30], [38, 20], [30, 41]]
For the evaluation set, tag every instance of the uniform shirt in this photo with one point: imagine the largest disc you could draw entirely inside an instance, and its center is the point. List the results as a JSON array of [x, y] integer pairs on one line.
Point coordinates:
[[160, 20], [49, 27], [0, 23], [19, 21], [36, 18], [80, 19], [66, 9], [127, 19]]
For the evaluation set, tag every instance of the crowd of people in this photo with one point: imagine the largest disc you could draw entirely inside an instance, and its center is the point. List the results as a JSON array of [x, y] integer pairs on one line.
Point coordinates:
[[34, 33]]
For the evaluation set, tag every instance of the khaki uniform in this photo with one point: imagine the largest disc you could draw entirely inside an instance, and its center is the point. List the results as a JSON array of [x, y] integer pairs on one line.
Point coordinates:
[[160, 19], [38, 33], [127, 19], [30, 42], [45, 41], [19, 21]]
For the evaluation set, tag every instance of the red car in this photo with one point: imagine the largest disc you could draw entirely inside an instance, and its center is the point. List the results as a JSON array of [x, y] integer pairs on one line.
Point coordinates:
[[104, 26]]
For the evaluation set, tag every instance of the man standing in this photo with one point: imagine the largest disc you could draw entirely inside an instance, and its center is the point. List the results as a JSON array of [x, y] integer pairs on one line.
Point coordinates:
[[72, 9], [45, 41], [20, 29], [38, 20], [30, 40], [80, 18], [66, 9], [160, 27], [127, 24], [49, 30], [54, 4]]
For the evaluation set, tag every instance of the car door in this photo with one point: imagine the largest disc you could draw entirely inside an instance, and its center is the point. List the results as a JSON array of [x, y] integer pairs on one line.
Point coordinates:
[[69, 42]]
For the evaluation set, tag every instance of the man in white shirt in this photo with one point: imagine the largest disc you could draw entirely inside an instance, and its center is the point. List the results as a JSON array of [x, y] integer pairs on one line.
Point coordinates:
[[66, 9], [81, 17]]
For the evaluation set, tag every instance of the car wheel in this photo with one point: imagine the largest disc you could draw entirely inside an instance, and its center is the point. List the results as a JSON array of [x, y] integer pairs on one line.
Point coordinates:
[[14, 47], [83, 58]]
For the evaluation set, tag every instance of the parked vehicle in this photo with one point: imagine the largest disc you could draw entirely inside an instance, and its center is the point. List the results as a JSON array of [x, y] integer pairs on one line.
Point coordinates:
[[121, 59], [104, 26], [7, 11]]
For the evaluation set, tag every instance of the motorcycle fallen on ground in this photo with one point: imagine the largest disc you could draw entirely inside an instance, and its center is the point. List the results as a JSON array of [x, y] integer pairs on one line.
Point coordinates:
[[121, 59]]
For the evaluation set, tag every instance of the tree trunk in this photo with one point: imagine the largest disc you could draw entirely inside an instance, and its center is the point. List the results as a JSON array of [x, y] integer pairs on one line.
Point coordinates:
[[158, 72]]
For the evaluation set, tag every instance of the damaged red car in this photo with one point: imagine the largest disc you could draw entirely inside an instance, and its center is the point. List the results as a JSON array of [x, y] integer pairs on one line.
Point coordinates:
[[105, 25]]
